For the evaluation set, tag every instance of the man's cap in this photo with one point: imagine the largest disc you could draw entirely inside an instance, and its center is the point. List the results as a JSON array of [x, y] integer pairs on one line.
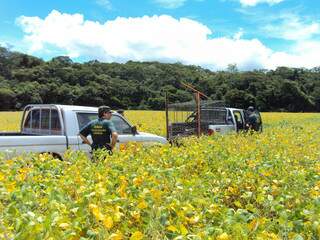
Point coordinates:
[[251, 108], [103, 109]]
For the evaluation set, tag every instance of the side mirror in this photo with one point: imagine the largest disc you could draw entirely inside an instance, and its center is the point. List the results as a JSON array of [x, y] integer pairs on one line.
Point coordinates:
[[134, 130]]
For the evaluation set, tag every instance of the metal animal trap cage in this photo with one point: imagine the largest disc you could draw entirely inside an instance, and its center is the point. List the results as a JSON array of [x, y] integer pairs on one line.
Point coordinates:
[[193, 117]]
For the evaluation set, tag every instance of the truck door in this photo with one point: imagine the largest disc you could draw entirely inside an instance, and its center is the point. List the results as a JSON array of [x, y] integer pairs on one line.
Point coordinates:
[[239, 120], [123, 128], [125, 133], [83, 119]]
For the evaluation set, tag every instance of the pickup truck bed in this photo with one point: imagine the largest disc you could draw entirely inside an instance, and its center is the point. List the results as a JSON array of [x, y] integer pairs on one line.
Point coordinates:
[[14, 134]]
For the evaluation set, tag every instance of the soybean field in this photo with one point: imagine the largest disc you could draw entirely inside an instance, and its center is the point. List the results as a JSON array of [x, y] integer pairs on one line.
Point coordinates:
[[238, 186]]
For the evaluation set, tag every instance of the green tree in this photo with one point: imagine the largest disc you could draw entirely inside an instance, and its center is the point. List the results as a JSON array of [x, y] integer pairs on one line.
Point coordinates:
[[27, 93], [7, 99], [239, 98]]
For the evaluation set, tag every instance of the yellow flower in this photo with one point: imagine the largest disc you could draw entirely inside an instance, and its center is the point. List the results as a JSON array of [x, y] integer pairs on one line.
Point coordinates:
[[213, 208], [96, 212], [156, 194], [183, 230], [267, 236], [2, 176], [224, 236], [193, 220], [123, 186], [116, 236], [136, 236], [21, 177], [117, 214], [137, 181], [135, 215], [142, 205], [11, 186], [108, 222], [172, 228], [10, 162], [64, 225], [233, 190]]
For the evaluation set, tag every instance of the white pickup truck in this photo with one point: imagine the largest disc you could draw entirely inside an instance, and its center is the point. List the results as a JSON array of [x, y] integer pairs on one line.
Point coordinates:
[[233, 120], [213, 120], [55, 128]]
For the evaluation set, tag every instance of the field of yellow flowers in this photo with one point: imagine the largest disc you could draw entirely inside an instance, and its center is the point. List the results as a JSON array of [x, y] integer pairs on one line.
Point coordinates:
[[259, 186]]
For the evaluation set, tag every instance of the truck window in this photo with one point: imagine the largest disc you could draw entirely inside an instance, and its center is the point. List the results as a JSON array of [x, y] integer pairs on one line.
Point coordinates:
[[45, 117], [213, 116], [27, 122], [121, 125], [35, 121], [85, 118], [55, 123], [42, 122]]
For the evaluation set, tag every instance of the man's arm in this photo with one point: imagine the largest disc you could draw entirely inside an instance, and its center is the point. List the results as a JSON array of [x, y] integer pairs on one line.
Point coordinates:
[[114, 134], [114, 138], [85, 139], [84, 132]]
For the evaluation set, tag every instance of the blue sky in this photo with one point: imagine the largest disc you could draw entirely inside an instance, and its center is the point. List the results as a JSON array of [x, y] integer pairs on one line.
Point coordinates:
[[253, 34]]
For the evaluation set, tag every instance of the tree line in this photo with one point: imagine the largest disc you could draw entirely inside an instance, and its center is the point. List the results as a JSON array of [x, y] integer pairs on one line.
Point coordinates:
[[26, 79]]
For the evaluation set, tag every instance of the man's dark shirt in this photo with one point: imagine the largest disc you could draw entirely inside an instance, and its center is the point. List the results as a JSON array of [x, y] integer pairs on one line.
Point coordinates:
[[254, 121], [100, 131]]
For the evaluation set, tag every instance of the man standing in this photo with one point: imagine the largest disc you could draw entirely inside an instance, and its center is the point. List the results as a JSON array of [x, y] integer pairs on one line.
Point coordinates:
[[254, 121], [101, 131]]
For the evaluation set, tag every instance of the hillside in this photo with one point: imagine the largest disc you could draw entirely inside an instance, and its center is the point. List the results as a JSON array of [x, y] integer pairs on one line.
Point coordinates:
[[26, 79]]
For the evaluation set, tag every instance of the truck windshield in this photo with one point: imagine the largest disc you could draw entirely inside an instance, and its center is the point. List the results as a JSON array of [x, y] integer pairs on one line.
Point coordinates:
[[120, 124]]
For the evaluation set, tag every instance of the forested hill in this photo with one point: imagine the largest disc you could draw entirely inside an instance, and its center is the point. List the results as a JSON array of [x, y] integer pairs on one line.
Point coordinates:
[[26, 79]]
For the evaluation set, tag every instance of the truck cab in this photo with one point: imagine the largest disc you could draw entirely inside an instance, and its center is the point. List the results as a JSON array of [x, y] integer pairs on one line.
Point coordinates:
[[236, 121]]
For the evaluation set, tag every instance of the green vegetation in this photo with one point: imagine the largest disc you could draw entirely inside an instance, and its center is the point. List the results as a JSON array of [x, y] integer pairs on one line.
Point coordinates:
[[26, 79]]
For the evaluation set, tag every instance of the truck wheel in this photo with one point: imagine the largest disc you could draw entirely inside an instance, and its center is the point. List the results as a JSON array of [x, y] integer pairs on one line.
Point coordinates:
[[54, 155], [176, 143]]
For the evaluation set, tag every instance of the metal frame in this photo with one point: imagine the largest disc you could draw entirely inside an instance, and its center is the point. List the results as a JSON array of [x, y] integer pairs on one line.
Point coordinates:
[[196, 107]]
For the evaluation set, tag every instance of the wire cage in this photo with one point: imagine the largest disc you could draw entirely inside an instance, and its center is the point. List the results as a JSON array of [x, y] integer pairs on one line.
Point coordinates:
[[193, 117]]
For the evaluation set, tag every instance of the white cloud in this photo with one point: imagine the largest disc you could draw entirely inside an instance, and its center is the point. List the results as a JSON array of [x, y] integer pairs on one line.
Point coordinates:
[[239, 34], [157, 38], [252, 3], [170, 3], [5, 44], [292, 27], [105, 4]]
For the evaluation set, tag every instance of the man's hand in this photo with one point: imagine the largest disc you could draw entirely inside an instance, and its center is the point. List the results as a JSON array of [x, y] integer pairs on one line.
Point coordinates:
[[114, 138], [85, 140]]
